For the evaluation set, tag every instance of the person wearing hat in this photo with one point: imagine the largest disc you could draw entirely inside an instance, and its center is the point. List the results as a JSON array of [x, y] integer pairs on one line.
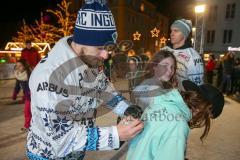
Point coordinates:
[[168, 119], [69, 84], [30, 55], [189, 62]]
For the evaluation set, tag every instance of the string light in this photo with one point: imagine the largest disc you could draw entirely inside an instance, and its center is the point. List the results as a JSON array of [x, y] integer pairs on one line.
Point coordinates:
[[136, 36], [155, 32], [163, 40]]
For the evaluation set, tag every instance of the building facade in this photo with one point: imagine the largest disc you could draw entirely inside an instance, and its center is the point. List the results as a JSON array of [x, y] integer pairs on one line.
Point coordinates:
[[140, 16], [222, 27], [133, 16]]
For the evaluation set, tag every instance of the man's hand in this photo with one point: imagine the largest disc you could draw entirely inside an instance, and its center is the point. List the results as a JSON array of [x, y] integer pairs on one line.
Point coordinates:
[[129, 128]]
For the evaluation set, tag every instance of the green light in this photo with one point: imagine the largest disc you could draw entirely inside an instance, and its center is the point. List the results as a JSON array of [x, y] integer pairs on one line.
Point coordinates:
[[3, 61]]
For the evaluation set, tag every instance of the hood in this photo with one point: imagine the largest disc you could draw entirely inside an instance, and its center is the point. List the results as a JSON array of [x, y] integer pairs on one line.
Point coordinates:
[[174, 102]]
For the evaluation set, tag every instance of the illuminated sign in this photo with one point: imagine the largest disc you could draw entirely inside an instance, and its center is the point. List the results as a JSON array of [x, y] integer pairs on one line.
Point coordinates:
[[233, 48], [16, 47]]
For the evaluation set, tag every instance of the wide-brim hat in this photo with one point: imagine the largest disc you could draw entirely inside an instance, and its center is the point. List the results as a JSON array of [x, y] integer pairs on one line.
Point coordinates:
[[209, 93]]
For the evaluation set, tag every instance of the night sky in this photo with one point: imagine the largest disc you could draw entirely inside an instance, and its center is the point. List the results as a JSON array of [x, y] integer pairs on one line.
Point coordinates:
[[13, 11]]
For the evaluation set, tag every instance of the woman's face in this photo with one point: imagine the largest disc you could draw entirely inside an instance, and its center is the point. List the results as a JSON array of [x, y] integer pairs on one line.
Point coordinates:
[[19, 67], [210, 57], [165, 69]]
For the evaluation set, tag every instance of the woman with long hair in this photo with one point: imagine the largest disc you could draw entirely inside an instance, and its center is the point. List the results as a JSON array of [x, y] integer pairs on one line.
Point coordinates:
[[159, 77], [169, 114], [22, 73]]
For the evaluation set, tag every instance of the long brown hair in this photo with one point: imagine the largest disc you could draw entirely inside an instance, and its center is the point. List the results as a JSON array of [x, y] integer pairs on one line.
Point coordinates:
[[157, 58], [201, 111]]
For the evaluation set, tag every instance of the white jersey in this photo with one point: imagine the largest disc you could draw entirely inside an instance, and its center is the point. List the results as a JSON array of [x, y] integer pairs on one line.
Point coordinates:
[[64, 95], [189, 65]]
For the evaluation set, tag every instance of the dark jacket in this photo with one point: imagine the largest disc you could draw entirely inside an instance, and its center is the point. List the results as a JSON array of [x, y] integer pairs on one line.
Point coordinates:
[[228, 66]]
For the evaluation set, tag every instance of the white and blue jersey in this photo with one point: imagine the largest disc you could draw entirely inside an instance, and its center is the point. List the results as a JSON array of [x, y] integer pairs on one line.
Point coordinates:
[[189, 65], [65, 93]]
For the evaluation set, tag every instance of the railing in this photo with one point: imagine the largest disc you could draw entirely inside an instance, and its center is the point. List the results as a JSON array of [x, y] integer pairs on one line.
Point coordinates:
[[6, 71]]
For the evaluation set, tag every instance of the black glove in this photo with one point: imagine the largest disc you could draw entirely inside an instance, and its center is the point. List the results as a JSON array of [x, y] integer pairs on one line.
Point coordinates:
[[134, 111]]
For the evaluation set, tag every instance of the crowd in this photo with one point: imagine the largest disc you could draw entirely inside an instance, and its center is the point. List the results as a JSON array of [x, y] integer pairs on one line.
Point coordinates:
[[63, 90]]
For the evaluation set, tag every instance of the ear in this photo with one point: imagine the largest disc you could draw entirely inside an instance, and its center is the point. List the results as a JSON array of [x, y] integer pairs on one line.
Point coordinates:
[[184, 38]]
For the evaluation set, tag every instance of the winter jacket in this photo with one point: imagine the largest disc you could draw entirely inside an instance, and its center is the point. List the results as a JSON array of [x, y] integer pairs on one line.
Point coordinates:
[[65, 93], [31, 56], [228, 65], [210, 66], [189, 64], [21, 83], [165, 130]]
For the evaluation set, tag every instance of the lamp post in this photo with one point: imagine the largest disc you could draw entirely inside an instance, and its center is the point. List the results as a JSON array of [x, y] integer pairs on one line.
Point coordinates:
[[199, 34], [194, 37]]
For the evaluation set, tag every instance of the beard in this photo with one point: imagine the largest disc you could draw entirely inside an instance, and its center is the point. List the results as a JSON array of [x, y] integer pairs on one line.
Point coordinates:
[[91, 61]]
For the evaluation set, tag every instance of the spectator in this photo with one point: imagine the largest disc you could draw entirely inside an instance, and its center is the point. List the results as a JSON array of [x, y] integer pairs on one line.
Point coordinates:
[[228, 62], [22, 73], [69, 84], [169, 118], [189, 62], [210, 66], [30, 55]]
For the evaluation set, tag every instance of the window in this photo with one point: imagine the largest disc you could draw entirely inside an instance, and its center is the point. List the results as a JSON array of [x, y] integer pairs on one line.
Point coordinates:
[[210, 36], [133, 19], [233, 10], [230, 10], [213, 37], [210, 12], [213, 12], [142, 7], [227, 11], [227, 36], [224, 36], [129, 19]]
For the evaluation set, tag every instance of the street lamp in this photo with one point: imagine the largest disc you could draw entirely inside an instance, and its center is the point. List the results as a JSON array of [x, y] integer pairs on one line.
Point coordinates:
[[199, 33], [199, 9], [194, 29], [194, 37]]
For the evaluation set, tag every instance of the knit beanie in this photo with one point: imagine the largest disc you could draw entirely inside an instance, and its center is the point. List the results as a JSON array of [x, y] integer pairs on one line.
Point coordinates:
[[185, 26], [95, 24]]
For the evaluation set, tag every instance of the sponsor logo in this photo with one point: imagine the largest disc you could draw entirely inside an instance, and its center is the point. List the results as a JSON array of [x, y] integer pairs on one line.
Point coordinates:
[[183, 56], [45, 86], [196, 61]]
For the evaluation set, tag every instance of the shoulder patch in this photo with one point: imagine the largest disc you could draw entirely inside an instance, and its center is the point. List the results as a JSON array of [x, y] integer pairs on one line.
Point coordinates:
[[183, 56]]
